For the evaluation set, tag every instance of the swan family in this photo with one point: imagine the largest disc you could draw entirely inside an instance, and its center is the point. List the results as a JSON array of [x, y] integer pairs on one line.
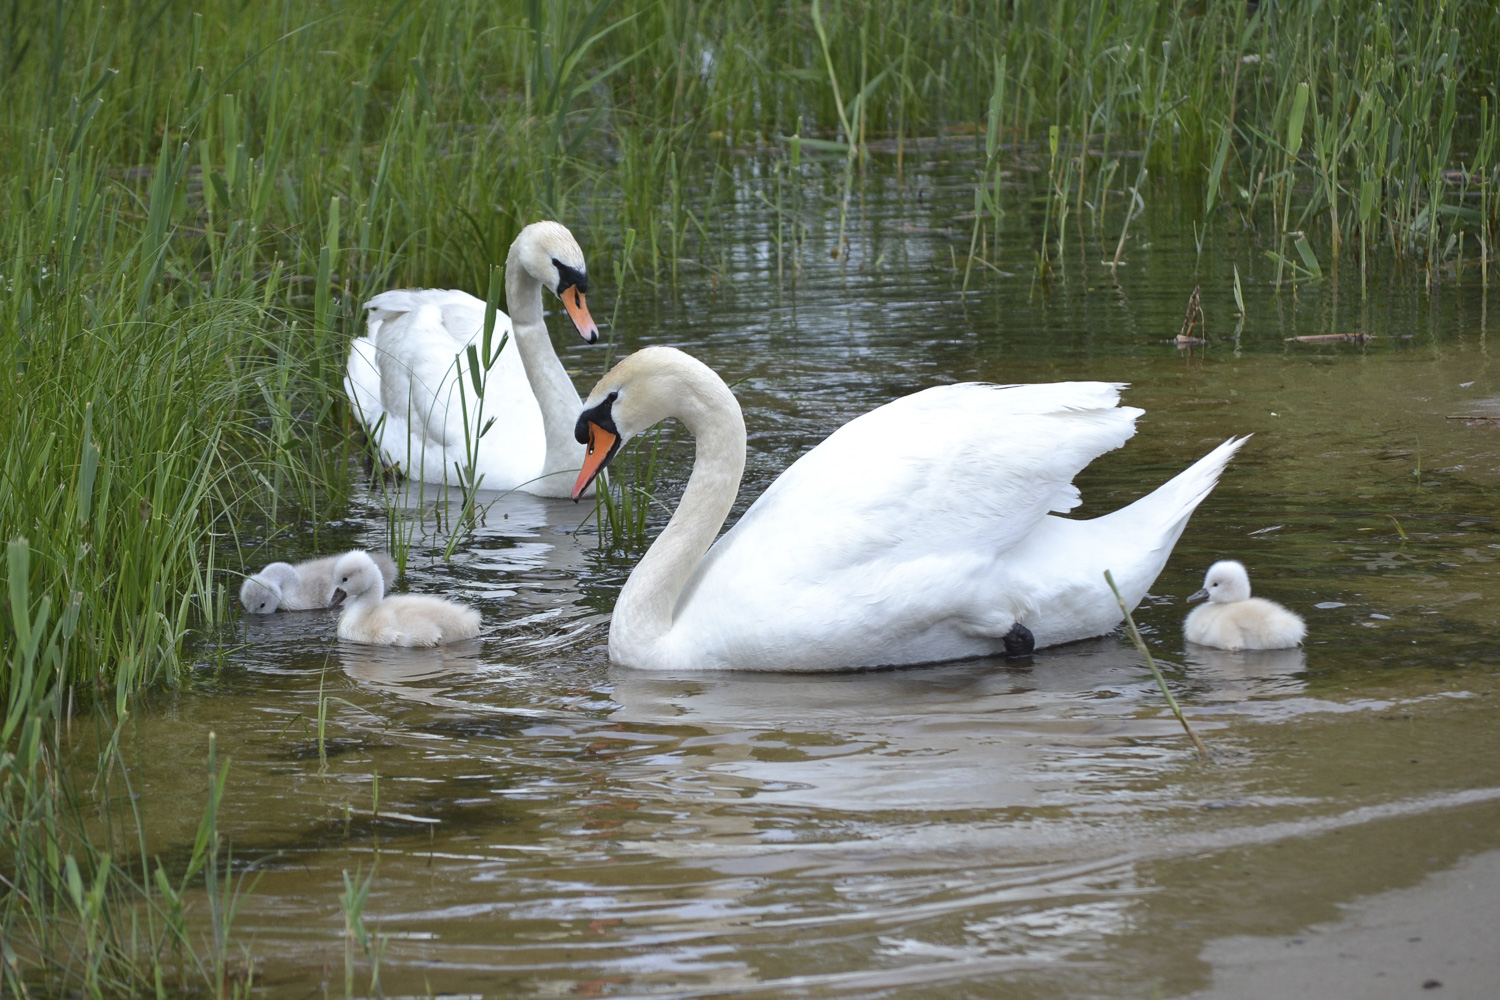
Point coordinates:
[[925, 530], [357, 582]]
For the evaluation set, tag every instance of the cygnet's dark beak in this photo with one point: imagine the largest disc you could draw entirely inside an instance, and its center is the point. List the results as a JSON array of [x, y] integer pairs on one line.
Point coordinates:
[[1198, 595], [337, 598]]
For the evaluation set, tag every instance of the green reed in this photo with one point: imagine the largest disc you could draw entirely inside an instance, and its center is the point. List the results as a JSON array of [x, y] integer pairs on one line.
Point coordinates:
[[1161, 682], [357, 933], [85, 908], [625, 493]]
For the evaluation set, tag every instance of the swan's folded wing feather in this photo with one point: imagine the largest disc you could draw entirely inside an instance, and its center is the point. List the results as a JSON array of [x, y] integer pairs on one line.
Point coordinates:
[[462, 313], [967, 470], [362, 381], [417, 361]]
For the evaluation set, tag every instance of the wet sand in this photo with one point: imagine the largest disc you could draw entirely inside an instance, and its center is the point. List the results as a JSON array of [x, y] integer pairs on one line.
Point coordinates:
[[1439, 938]]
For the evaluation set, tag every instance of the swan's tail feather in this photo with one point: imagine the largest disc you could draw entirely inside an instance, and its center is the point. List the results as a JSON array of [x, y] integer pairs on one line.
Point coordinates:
[[1132, 543], [1157, 519], [1167, 508]]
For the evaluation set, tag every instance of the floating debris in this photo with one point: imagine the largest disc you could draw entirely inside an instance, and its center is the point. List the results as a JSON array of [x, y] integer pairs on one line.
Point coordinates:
[[1333, 338], [1192, 321]]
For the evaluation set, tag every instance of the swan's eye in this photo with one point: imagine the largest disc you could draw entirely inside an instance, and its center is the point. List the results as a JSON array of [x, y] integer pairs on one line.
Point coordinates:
[[346, 580]]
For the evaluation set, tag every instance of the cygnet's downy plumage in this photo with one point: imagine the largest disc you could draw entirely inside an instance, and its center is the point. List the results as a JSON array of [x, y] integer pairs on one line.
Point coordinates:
[[404, 620], [303, 586], [1234, 620]]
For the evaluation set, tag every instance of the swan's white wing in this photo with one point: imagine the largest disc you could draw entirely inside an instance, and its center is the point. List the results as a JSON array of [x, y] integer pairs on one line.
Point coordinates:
[[420, 337], [417, 359], [362, 381], [952, 468], [462, 314], [900, 517]]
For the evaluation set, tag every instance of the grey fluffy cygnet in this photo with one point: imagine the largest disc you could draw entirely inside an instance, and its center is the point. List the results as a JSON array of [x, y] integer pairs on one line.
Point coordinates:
[[1234, 620], [403, 620], [301, 587]]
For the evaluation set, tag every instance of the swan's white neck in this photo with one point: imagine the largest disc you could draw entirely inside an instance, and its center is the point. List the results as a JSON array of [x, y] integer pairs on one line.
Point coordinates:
[[644, 611], [553, 389], [361, 604]]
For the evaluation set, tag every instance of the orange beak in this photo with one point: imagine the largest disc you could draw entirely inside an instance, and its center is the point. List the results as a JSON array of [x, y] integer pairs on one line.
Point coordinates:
[[578, 312], [601, 448]]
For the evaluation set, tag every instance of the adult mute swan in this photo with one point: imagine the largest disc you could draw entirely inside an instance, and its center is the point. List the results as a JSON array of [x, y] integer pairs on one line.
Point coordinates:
[[303, 586], [1234, 620], [915, 533], [403, 620], [408, 369]]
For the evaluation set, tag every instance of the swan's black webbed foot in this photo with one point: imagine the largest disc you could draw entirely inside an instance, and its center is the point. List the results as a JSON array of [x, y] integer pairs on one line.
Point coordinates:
[[1019, 641]]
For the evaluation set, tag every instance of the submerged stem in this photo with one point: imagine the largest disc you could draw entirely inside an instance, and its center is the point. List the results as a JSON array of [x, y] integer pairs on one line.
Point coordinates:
[[1135, 636]]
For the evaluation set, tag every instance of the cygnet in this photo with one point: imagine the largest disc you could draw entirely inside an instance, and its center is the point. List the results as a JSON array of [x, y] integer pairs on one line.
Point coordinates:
[[404, 620], [300, 587], [1234, 620]]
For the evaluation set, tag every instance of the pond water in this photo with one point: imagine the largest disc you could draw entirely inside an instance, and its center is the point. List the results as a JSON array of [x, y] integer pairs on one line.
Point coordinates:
[[551, 826]]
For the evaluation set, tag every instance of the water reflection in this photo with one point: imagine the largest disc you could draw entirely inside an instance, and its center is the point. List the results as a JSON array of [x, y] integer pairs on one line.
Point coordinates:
[[986, 734], [1220, 675], [398, 669]]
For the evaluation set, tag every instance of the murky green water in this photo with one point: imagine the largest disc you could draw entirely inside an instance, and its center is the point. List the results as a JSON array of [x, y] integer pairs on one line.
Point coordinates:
[[551, 826]]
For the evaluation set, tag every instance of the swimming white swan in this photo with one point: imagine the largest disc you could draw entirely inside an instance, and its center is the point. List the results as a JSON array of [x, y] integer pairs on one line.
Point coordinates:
[[1234, 620], [403, 620], [408, 369], [303, 586], [915, 533]]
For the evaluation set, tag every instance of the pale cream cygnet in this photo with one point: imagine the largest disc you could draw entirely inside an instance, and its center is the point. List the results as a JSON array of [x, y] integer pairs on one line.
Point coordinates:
[[303, 586], [1234, 620], [404, 620]]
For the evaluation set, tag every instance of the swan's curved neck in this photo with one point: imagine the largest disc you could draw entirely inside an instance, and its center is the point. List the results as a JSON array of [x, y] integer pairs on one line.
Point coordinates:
[[644, 611], [553, 389]]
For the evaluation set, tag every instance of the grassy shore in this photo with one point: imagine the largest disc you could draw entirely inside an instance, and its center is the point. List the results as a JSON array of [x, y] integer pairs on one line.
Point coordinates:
[[194, 200]]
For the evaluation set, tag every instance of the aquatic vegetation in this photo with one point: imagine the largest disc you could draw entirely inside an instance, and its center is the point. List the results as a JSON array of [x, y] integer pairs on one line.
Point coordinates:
[[1161, 682], [356, 932], [86, 908], [624, 497]]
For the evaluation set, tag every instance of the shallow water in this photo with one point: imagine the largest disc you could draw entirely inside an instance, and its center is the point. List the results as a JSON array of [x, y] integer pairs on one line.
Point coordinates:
[[549, 825]]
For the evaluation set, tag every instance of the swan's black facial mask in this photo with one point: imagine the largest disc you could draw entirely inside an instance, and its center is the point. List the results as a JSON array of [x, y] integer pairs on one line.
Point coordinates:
[[572, 284], [596, 428], [570, 277]]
